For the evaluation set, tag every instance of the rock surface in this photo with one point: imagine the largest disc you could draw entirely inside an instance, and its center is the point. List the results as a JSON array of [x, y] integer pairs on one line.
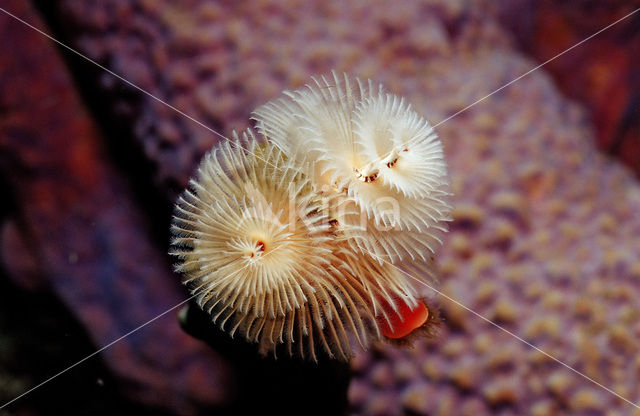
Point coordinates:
[[74, 226], [601, 74]]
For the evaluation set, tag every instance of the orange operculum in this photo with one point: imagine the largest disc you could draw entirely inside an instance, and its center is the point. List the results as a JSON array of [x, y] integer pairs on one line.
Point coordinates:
[[404, 321]]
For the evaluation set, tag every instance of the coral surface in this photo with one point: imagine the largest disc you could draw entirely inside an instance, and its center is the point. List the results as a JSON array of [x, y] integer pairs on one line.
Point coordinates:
[[545, 239]]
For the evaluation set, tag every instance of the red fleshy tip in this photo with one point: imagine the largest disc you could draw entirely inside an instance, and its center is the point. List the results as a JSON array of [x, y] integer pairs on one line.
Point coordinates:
[[403, 322]]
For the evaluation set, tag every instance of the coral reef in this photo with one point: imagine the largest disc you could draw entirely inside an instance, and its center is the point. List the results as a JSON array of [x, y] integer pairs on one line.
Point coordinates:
[[545, 233], [218, 73]]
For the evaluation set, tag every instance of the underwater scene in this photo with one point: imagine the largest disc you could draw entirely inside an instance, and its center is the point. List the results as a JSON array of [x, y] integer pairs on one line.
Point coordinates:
[[421, 207]]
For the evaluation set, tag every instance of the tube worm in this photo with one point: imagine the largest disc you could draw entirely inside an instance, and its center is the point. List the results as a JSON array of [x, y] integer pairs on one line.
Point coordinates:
[[355, 139], [286, 241]]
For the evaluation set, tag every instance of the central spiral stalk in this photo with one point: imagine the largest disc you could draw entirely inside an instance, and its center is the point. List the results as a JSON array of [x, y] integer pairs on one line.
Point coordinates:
[[257, 250], [367, 174]]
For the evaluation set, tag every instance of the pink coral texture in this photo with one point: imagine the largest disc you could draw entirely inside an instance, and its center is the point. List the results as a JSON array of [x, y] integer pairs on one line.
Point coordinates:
[[546, 234]]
